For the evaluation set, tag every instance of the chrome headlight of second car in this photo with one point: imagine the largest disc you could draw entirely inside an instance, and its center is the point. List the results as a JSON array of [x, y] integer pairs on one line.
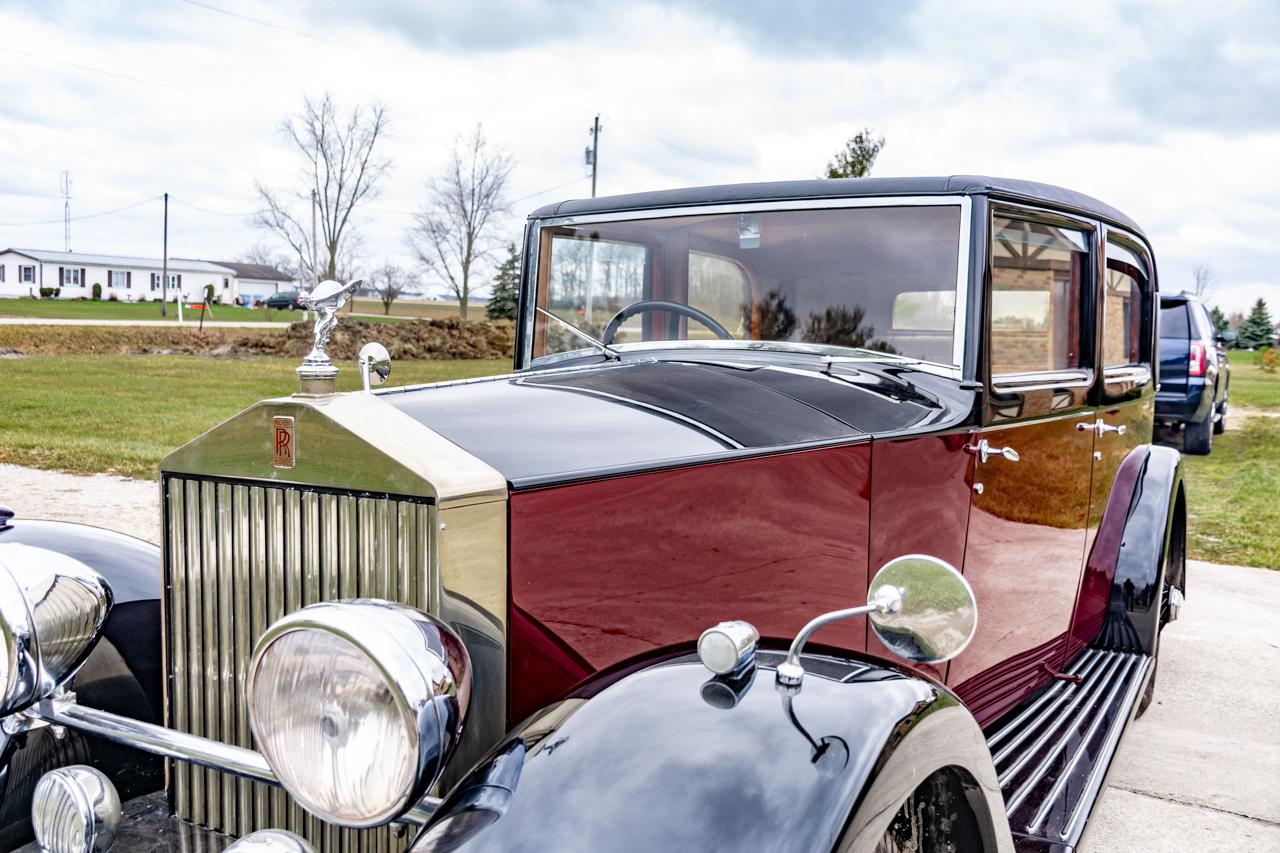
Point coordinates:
[[357, 706], [51, 611]]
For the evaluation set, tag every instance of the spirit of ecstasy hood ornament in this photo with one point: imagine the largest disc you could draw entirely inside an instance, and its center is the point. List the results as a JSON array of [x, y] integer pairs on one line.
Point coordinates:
[[328, 297]]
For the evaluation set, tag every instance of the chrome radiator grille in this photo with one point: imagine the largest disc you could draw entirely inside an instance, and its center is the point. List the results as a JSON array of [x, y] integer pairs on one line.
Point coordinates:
[[238, 556]]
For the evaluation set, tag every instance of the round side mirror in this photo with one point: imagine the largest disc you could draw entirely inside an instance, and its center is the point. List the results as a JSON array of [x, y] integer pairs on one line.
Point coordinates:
[[938, 613], [375, 364]]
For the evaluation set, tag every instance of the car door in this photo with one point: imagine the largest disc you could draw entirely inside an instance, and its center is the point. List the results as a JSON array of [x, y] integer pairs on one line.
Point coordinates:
[[1125, 410], [1032, 467]]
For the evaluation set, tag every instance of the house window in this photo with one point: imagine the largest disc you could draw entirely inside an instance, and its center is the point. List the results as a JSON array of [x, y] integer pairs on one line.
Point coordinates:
[[70, 277], [118, 279], [226, 282], [156, 278], [27, 274]]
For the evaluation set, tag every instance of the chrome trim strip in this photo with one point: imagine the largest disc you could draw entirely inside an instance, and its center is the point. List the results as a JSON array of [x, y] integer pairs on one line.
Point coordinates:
[[1012, 383], [1063, 777], [1088, 657], [1137, 374], [1086, 691], [1075, 821], [1064, 696], [158, 740]]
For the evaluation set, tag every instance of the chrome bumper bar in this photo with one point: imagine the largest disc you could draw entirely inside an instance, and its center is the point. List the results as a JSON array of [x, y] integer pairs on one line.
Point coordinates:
[[179, 746]]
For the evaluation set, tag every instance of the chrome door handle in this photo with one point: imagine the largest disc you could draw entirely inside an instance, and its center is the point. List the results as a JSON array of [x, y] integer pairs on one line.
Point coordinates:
[[985, 451], [1101, 428]]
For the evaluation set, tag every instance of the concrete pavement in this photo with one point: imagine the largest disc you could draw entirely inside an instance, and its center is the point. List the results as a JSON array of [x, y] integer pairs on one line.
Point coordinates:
[[1200, 771]]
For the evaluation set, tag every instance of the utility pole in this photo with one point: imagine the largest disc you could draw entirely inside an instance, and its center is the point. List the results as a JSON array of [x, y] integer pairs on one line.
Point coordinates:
[[315, 272], [593, 152], [164, 264]]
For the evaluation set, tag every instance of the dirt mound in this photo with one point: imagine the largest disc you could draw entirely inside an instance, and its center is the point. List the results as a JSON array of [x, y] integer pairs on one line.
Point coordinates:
[[448, 338]]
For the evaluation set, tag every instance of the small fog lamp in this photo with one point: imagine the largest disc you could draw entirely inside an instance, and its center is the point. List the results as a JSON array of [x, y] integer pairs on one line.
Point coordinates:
[[75, 810], [357, 706], [728, 647], [271, 841]]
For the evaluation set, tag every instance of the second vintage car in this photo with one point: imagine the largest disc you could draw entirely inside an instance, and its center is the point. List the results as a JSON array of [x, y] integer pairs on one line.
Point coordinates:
[[819, 515]]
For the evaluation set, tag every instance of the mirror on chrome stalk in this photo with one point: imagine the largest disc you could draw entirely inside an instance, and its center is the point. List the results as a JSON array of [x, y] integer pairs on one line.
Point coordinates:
[[920, 607]]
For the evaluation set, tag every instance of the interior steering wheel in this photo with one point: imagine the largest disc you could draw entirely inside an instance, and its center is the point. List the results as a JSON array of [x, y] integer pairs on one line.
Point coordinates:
[[676, 309]]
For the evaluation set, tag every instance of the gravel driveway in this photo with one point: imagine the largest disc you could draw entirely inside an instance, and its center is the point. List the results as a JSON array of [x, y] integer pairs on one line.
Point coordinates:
[[1198, 772]]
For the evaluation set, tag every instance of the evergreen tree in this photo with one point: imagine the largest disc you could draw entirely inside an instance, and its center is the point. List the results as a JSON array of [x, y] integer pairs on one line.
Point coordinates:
[[857, 157], [506, 288], [1257, 330], [1220, 323]]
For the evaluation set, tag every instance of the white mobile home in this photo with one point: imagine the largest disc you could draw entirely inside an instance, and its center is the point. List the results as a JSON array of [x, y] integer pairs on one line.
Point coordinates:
[[255, 282], [72, 275]]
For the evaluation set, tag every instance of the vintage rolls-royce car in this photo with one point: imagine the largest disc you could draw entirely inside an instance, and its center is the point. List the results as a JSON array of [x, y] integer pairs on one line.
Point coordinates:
[[813, 516]]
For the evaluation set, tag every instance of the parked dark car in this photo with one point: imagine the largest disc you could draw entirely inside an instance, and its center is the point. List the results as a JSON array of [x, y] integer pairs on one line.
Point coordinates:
[[287, 299], [1195, 375], [567, 608]]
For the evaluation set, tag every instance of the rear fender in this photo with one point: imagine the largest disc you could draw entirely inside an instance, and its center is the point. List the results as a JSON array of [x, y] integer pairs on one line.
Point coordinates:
[[670, 757]]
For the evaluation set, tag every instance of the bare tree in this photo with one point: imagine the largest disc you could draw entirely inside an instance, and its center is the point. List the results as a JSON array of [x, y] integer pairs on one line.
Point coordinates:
[[343, 169], [390, 282], [451, 233], [1205, 279]]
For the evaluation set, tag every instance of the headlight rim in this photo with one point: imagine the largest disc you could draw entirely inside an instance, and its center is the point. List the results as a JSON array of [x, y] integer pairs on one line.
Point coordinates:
[[411, 675]]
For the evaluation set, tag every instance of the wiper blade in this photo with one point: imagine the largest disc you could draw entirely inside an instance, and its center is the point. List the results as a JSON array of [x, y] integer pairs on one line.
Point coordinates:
[[609, 352]]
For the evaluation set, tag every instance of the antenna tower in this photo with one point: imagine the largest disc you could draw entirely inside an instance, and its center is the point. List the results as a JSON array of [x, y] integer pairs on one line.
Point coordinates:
[[65, 182]]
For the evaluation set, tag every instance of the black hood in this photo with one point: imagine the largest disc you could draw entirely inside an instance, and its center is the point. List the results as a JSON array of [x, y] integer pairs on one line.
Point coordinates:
[[542, 426]]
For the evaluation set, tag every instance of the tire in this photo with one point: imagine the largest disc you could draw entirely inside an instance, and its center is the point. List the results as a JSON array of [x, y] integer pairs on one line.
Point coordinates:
[[1220, 425], [1197, 438], [1175, 576]]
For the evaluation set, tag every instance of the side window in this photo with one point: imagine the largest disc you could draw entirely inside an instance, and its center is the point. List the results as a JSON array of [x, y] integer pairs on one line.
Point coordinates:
[[1039, 274], [1123, 298]]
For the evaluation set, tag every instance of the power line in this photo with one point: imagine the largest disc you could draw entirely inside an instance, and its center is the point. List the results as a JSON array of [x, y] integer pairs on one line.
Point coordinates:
[[551, 189], [263, 23], [103, 71], [210, 212], [78, 218], [672, 145]]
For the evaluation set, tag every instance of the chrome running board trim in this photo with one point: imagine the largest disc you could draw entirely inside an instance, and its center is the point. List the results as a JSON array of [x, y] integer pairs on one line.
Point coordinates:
[[1054, 753]]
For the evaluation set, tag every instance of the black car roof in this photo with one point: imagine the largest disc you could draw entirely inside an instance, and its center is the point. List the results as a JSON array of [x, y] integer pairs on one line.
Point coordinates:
[[1008, 188]]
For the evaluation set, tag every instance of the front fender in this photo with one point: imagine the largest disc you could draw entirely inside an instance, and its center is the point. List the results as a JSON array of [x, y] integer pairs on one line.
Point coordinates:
[[671, 758], [123, 674]]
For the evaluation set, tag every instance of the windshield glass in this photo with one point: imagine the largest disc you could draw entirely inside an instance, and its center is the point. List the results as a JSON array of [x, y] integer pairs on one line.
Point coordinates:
[[878, 278]]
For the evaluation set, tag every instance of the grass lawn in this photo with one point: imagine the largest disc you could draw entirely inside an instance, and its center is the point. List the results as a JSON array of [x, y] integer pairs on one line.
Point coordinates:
[[125, 413], [417, 308], [1233, 494], [74, 309]]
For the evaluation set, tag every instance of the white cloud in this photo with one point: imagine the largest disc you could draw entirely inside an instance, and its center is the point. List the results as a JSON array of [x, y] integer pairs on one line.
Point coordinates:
[[1166, 112]]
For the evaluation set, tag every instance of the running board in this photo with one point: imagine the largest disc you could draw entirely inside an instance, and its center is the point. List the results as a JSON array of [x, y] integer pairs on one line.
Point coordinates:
[[1052, 757]]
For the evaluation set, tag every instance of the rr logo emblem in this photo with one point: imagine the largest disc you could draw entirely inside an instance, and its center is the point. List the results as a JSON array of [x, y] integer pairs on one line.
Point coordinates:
[[282, 445]]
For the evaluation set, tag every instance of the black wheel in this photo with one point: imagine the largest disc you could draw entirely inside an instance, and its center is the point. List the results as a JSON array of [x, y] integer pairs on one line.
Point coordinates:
[[1197, 438], [1220, 425], [1175, 577], [936, 817]]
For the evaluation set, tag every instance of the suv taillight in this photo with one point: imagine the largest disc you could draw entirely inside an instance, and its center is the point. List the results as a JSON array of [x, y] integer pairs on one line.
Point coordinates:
[[1196, 366]]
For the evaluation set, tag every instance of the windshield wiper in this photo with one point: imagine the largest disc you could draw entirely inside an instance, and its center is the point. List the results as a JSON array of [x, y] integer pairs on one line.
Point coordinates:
[[609, 352]]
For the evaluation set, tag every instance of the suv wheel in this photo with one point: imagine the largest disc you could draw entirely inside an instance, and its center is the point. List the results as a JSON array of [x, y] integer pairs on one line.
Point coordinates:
[[1220, 425], [1197, 438]]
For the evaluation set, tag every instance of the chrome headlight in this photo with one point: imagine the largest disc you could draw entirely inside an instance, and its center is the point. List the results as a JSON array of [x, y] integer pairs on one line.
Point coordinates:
[[51, 610], [357, 706]]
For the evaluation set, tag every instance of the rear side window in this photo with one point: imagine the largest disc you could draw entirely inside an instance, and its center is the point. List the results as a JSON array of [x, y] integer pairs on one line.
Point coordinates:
[[1038, 274], [1123, 301], [1174, 322]]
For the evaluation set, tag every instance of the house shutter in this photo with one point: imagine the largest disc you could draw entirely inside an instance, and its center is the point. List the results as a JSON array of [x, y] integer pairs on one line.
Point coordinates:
[[62, 276], [128, 280], [108, 279], [84, 279]]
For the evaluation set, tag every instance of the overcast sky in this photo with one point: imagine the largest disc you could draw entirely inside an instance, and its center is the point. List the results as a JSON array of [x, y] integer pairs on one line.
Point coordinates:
[[1170, 111]]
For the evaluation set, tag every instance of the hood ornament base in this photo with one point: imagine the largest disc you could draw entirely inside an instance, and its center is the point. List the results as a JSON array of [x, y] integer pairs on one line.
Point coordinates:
[[317, 372]]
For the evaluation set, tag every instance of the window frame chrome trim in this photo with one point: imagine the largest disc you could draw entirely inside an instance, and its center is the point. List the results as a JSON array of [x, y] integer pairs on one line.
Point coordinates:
[[960, 332]]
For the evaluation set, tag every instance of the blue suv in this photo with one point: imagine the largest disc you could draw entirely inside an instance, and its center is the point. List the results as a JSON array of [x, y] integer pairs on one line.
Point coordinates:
[[1195, 375]]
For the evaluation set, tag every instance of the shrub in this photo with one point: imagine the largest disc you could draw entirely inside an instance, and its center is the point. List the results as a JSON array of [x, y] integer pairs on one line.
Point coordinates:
[[1269, 360], [49, 292], [113, 298], [209, 294], [97, 291]]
